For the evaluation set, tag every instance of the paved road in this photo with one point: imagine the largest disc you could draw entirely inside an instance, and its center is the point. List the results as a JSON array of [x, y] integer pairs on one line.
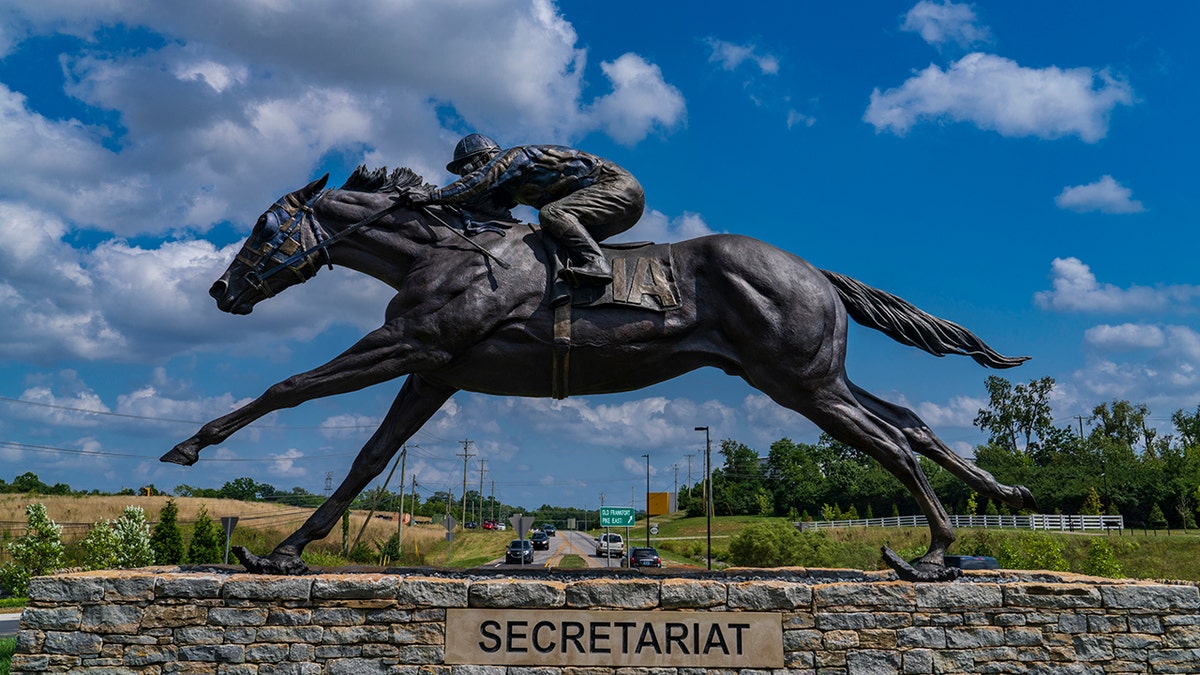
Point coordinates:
[[8, 624]]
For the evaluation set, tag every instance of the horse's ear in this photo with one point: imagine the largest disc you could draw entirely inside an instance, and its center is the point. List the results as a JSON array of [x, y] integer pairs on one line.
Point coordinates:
[[315, 186]]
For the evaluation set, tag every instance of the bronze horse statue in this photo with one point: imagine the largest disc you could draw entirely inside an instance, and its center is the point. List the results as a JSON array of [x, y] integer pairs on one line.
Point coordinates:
[[475, 314]]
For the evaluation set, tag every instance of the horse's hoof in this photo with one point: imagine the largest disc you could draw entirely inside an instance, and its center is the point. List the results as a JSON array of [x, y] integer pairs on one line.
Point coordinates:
[[922, 571], [1028, 503], [287, 564], [184, 454]]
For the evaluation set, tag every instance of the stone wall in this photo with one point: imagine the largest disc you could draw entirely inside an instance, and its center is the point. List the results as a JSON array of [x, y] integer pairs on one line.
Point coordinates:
[[166, 622]]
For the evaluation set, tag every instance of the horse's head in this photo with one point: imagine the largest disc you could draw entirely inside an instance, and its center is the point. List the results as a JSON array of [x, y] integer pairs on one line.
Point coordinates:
[[278, 253]]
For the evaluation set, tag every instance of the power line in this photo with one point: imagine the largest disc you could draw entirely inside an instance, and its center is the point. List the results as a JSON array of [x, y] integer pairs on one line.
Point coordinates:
[[85, 411]]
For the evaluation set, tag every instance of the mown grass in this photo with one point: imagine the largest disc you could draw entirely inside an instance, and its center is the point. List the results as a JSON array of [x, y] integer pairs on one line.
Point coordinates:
[[8, 646]]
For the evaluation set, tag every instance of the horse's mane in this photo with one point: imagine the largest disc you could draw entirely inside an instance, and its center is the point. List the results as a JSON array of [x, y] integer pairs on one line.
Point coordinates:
[[378, 179]]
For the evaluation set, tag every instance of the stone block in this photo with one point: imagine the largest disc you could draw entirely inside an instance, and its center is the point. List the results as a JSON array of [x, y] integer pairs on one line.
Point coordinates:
[[691, 594], [52, 618], [213, 653], [226, 616], [959, 595], [608, 594], [845, 620], [66, 589], [73, 643], [892, 596], [917, 662], [111, 618], [144, 655], [764, 596], [1151, 597], [129, 587], [441, 593], [930, 637], [174, 616], [419, 634], [337, 616], [873, 662], [256, 587], [508, 593], [194, 586], [1056, 596], [355, 634], [972, 637], [355, 586]]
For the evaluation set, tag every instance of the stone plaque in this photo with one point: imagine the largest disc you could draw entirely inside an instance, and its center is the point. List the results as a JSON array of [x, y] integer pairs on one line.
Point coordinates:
[[536, 637]]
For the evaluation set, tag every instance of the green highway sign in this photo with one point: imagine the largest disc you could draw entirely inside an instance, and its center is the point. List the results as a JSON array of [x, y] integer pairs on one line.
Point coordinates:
[[616, 516]]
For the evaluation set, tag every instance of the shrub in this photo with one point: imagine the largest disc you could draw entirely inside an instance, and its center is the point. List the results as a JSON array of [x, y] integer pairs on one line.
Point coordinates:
[[1101, 561], [166, 541], [39, 551], [207, 545], [100, 547], [133, 539]]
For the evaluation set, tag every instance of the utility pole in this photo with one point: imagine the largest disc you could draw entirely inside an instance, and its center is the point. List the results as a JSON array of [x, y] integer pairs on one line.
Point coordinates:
[[689, 459], [412, 504], [482, 470], [493, 499], [676, 467], [647, 456], [707, 490], [400, 514], [466, 455]]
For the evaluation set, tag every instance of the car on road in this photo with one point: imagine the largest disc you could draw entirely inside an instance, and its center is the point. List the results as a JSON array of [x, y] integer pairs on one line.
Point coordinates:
[[489, 524], [470, 525], [610, 546], [642, 556], [549, 529], [501, 526], [519, 552], [972, 562], [540, 541]]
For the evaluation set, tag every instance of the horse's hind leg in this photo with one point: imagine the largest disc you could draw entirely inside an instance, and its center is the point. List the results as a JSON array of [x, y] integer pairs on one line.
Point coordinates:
[[417, 401], [838, 411], [922, 439]]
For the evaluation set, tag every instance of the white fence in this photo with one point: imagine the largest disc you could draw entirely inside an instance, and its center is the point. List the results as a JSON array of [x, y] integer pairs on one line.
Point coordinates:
[[1037, 521]]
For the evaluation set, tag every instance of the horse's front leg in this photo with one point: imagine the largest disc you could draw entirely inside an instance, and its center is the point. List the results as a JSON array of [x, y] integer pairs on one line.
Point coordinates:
[[417, 401], [384, 354]]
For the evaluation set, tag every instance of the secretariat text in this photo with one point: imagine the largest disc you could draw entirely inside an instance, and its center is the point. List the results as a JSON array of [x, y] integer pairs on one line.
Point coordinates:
[[613, 638]]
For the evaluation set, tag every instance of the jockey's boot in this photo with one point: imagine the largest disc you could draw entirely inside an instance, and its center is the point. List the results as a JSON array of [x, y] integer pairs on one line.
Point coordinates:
[[587, 265]]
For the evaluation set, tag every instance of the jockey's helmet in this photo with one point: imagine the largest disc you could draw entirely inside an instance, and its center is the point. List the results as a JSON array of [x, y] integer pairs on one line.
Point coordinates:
[[470, 147]]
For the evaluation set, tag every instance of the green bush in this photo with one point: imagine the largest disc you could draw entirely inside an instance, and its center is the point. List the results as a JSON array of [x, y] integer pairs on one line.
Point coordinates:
[[166, 541], [208, 541], [99, 547], [1101, 561], [779, 544], [39, 551]]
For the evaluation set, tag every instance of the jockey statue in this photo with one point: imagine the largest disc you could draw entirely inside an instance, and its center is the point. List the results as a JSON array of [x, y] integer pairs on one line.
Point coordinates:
[[581, 198]]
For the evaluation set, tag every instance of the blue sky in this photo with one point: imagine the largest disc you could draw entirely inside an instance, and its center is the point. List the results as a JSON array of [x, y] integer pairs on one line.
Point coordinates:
[[1020, 168]]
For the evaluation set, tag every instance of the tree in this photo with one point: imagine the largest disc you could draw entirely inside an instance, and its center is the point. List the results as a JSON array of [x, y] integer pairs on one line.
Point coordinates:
[[1021, 410], [100, 547], [133, 539], [243, 489], [37, 552], [207, 541], [1188, 426], [1092, 506], [166, 541]]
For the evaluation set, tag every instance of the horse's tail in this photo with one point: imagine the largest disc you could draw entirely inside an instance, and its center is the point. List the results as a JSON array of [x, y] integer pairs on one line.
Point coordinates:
[[904, 323]]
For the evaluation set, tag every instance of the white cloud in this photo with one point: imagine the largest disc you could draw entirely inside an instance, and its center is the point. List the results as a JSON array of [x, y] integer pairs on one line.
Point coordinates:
[[656, 226], [284, 464], [1075, 289], [1125, 336], [996, 93], [959, 411], [229, 114], [1105, 195], [795, 118], [946, 22], [729, 56], [641, 101], [1155, 364]]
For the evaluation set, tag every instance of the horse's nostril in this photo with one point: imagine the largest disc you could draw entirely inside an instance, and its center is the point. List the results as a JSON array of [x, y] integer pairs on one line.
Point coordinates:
[[218, 289]]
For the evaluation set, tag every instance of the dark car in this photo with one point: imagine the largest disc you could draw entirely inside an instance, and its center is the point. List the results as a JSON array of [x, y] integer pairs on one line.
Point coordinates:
[[972, 562], [644, 557], [519, 552], [540, 541], [549, 529], [470, 525]]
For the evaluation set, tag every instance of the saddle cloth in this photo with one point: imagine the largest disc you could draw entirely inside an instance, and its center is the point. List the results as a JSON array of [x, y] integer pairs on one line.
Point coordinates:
[[642, 277]]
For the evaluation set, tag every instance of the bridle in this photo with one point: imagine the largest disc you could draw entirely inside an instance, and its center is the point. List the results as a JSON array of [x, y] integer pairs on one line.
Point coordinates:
[[284, 249]]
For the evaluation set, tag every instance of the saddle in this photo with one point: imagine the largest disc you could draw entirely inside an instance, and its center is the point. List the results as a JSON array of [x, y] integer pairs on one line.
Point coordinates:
[[642, 279]]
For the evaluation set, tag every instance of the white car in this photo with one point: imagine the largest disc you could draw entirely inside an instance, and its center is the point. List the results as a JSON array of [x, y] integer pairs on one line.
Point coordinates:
[[501, 526], [610, 545]]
